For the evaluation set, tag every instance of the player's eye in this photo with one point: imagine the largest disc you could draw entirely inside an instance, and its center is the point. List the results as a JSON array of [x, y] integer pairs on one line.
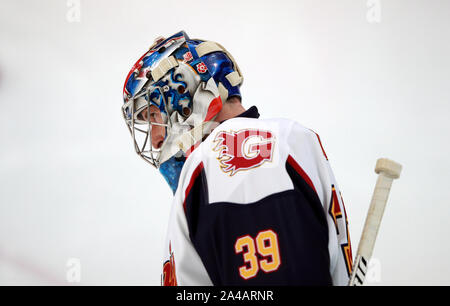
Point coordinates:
[[140, 116], [144, 117]]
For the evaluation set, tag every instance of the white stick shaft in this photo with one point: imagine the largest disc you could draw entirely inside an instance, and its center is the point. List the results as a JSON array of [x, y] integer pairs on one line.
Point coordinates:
[[374, 216], [370, 231], [387, 171]]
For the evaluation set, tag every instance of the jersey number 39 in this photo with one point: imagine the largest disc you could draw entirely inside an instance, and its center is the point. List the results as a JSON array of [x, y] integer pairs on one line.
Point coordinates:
[[266, 245]]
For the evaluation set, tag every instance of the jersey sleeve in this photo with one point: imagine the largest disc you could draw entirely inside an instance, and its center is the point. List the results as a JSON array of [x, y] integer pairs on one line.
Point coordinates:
[[182, 265], [318, 168]]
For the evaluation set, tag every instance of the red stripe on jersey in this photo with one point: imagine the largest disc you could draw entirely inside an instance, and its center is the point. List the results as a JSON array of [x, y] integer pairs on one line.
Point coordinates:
[[300, 171], [191, 149], [320, 142], [194, 176]]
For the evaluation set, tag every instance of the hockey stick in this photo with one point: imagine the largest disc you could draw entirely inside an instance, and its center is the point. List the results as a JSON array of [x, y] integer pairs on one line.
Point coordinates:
[[387, 171]]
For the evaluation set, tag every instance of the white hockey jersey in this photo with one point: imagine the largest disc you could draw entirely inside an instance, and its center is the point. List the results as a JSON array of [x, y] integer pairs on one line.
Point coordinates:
[[257, 204]]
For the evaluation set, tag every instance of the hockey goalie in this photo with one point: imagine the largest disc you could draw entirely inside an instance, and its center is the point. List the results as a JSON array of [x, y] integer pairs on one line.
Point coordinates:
[[255, 200]]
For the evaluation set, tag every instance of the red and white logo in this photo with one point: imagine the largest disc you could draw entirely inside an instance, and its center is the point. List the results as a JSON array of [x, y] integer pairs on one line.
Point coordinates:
[[169, 277], [187, 57], [201, 67], [243, 150]]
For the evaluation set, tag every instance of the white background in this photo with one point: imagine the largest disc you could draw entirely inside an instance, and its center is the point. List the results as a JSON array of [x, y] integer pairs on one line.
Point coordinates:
[[71, 185]]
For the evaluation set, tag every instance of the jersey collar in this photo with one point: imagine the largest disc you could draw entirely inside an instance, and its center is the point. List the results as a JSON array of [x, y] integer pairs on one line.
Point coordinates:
[[252, 112]]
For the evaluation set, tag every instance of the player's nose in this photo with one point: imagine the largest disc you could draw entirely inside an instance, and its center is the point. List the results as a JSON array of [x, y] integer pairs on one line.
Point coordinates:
[[158, 134]]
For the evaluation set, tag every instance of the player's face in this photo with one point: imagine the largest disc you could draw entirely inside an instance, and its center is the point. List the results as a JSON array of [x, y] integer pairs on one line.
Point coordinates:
[[158, 131]]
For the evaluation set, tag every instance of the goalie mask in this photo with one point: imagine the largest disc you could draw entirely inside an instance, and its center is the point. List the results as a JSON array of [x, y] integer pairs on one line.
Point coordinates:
[[187, 80]]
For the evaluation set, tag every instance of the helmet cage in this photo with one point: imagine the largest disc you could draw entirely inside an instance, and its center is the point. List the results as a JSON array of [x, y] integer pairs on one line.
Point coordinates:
[[141, 128]]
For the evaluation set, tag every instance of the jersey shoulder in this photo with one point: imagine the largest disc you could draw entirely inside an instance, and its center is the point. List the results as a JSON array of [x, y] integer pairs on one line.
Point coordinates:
[[244, 159]]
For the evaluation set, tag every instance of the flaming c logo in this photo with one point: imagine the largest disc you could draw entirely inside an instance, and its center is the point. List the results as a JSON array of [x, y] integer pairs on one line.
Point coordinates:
[[243, 150], [169, 277]]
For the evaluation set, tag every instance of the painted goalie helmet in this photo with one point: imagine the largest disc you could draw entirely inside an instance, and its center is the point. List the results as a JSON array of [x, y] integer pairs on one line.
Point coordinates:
[[188, 80]]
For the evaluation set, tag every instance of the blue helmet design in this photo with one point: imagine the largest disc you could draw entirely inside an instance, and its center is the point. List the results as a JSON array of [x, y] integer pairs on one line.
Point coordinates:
[[187, 80]]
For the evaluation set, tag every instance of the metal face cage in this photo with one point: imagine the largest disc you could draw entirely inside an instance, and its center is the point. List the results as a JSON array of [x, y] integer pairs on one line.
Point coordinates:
[[141, 128]]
